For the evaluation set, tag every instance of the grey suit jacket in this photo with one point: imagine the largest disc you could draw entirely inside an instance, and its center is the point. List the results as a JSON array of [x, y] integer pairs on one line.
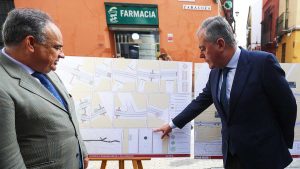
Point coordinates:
[[35, 129]]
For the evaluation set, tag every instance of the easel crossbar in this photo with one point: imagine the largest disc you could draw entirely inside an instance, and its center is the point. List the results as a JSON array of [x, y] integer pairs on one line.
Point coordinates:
[[136, 161]]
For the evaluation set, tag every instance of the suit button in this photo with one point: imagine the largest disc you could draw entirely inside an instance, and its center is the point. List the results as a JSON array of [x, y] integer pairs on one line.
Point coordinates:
[[77, 155]]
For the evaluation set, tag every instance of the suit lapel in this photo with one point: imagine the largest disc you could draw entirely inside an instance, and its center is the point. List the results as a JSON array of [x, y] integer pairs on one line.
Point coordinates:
[[215, 89], [35, 87], [240, 79], [28, 82], [60, 88]]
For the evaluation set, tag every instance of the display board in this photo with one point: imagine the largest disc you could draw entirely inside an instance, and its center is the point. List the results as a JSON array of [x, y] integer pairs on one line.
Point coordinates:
[[292, 72], [207, 130], [120, 101], [207, 126]]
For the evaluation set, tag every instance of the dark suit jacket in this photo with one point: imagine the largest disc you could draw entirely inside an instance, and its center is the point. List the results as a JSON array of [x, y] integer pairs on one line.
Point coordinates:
[[35, 129], [262, 112]]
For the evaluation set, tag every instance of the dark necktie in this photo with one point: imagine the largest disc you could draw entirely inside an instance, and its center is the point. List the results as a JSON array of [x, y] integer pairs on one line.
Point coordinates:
[[223, 98], [48, 85]]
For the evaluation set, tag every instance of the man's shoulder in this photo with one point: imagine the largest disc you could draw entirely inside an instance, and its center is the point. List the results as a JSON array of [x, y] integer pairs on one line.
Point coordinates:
[[6, 79], [2, 69], [257, 55]]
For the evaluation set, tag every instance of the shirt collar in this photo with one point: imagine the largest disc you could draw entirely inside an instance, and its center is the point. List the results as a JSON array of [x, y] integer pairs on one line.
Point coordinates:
[[25, 67], [235, 58]]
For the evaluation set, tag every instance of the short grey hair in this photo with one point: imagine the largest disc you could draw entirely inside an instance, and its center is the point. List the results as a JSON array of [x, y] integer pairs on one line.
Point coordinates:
[[22, 22], [217, 27]]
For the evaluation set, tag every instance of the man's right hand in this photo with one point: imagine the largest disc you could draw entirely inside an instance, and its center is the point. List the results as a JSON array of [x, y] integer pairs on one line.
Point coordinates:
[[165, 129]]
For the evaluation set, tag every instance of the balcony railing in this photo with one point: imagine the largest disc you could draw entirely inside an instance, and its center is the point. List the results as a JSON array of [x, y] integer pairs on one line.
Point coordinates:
[[282, 24], [266, 35]]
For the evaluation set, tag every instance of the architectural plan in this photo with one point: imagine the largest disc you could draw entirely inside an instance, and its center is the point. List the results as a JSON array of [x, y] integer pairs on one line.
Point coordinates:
[[120, 101]]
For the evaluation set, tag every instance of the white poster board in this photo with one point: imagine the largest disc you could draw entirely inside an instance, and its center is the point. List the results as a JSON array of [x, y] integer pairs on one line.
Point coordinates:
[[120, 101]]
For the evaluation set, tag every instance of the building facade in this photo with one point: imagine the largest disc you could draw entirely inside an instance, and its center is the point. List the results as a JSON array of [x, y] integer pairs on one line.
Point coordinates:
[[268, 25], [5, 7], [254, 25], [288, 31], [146, 28]]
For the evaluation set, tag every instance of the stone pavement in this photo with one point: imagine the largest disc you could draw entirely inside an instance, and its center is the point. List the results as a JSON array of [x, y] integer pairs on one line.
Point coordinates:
[[177, 163]]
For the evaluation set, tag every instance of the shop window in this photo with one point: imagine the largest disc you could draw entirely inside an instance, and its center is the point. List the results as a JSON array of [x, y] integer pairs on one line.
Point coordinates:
[[137, 45]]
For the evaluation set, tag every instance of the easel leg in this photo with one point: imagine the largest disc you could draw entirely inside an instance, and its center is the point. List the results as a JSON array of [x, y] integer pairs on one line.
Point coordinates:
[[121, 164], [103, 164], [135, 164], [139, 163]]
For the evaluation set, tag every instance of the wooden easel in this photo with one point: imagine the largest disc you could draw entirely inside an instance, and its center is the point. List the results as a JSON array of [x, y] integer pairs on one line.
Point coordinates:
[[136, 161]]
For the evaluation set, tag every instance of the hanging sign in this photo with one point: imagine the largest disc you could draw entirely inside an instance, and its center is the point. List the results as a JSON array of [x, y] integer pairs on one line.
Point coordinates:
[[131, 14]]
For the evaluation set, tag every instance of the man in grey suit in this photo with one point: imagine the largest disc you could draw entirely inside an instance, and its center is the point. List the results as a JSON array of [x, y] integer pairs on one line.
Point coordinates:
[[38, 126]]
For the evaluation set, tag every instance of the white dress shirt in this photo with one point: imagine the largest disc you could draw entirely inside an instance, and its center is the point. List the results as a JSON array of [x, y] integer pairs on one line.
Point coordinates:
[[26, 68], [232, 64]]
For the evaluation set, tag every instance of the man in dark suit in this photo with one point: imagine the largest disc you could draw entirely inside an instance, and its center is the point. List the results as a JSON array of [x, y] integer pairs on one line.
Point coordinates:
[[256, 105], [38, 125]]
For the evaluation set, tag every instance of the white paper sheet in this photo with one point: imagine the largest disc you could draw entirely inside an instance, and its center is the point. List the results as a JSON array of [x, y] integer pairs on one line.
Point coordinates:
[[104, 141], [108, 102], [133, 141], [179, 140], [157, 143], [145, 141]]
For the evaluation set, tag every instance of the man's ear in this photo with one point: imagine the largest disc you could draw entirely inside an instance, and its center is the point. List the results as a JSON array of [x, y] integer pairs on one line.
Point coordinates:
[[221, 43], [29, 43]]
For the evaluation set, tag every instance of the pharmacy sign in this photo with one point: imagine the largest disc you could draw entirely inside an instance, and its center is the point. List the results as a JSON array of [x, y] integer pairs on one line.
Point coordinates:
[[131, 14]]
